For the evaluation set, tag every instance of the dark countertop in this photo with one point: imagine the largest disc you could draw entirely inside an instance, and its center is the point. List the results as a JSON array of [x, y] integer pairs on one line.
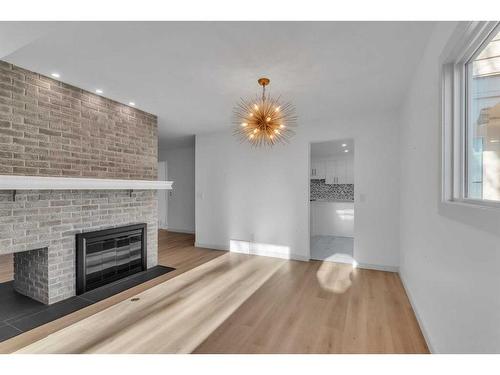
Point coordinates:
[[332, 200]]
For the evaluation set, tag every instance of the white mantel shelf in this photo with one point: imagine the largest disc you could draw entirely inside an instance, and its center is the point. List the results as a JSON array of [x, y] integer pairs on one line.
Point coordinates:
[[69, 183]]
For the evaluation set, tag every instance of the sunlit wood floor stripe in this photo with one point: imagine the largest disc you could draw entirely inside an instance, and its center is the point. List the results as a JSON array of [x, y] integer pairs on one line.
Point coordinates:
[[173, 317]]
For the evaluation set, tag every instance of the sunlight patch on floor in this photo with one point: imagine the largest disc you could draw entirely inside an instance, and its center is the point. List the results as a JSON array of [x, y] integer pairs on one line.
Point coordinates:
[[173, 317], [335, 277]]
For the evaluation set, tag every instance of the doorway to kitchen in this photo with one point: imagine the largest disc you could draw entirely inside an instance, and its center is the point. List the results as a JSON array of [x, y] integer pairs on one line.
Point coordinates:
[[331, 196]]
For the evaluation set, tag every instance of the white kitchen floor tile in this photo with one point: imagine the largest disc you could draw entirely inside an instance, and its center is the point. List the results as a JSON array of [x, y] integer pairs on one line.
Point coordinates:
[[332, 248]]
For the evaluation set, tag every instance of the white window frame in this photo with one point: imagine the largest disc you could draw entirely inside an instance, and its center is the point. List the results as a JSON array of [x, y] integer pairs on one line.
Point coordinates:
[[467, 39]]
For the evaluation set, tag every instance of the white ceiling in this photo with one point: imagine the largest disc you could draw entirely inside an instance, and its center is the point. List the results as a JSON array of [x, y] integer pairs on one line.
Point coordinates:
[[332, 148], [191, 74]]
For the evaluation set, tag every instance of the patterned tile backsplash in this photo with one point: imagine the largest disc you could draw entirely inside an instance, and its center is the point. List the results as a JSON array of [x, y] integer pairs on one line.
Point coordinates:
[[322, 191]]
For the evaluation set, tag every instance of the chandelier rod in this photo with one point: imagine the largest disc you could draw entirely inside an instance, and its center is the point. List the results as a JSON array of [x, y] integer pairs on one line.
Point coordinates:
[[264, 82]]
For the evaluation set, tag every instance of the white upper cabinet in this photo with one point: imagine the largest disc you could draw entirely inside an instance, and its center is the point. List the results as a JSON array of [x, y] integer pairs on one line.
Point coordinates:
[[349, 171], [318, 169], [334, 171], [331, 172], [341, 171]]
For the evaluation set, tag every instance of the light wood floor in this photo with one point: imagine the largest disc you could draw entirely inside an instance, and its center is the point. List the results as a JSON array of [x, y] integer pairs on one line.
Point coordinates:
[[6, 267], [322, 307], [219, 302]]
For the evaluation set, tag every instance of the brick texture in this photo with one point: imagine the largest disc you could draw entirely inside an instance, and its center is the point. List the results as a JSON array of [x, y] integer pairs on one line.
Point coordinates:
[[48, 128], [32, 274]]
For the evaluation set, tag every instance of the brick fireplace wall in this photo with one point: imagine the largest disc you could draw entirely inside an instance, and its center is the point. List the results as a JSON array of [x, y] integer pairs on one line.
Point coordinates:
[[48, 128]]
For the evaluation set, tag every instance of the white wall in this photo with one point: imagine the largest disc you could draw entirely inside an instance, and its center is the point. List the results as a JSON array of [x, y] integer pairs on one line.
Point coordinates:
[[162, 197], [450, 255], [181, 202], [262, 195]]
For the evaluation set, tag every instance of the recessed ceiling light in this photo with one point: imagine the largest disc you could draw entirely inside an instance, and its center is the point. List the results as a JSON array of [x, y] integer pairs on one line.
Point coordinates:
[[346, 150], [98, 91], [344, 145], [55, 75], [495, 141], [131, 104]]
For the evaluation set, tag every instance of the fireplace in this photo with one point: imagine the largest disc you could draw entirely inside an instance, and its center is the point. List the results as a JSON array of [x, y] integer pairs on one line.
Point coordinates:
[[108, 255], [106, 177]]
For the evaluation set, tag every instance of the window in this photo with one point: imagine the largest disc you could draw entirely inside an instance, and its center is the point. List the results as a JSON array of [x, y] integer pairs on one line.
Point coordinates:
[[483, 122], [471, 116]]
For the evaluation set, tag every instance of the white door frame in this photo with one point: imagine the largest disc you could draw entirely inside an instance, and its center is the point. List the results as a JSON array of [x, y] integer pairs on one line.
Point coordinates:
[[309, 190]]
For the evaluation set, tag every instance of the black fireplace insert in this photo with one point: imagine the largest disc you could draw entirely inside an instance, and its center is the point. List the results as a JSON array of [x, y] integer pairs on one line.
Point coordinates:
[[107, 255]]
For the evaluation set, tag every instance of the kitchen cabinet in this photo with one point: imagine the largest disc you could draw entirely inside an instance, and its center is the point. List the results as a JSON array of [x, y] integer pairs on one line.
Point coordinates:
[[339, 171], [318, 169], [349, 172], [333, 171]]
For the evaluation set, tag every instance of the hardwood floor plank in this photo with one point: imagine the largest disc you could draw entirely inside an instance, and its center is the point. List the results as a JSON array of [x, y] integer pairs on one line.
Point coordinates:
[[6, 268], [172, 317], [218, 302]]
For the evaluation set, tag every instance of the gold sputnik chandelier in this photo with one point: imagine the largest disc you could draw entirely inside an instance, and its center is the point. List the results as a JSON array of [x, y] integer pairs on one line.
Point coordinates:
[[264, 121]]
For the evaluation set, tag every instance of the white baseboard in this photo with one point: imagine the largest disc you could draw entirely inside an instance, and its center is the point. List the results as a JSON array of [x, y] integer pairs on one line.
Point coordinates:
[[299, 258], [265, 254], [187, 231], [378, 267], [277, 255], [424, 331], [208, 246]]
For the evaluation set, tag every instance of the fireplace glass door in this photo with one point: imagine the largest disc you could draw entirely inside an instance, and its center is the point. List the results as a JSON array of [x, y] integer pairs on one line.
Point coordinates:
[[109, 255]]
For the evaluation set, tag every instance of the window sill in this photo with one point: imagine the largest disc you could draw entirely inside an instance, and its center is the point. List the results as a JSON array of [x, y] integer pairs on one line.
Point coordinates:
[[473, 204], [479, 216]]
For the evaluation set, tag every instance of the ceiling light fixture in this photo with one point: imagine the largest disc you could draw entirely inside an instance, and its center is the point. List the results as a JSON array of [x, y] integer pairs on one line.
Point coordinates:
[[346, 150], [55, 75], [264, 121], [131, 104], [98, 91], [495, 141], [344, 145]]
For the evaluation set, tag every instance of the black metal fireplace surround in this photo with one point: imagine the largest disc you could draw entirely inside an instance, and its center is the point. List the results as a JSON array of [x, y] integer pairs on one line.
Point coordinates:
[[105, 256]]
